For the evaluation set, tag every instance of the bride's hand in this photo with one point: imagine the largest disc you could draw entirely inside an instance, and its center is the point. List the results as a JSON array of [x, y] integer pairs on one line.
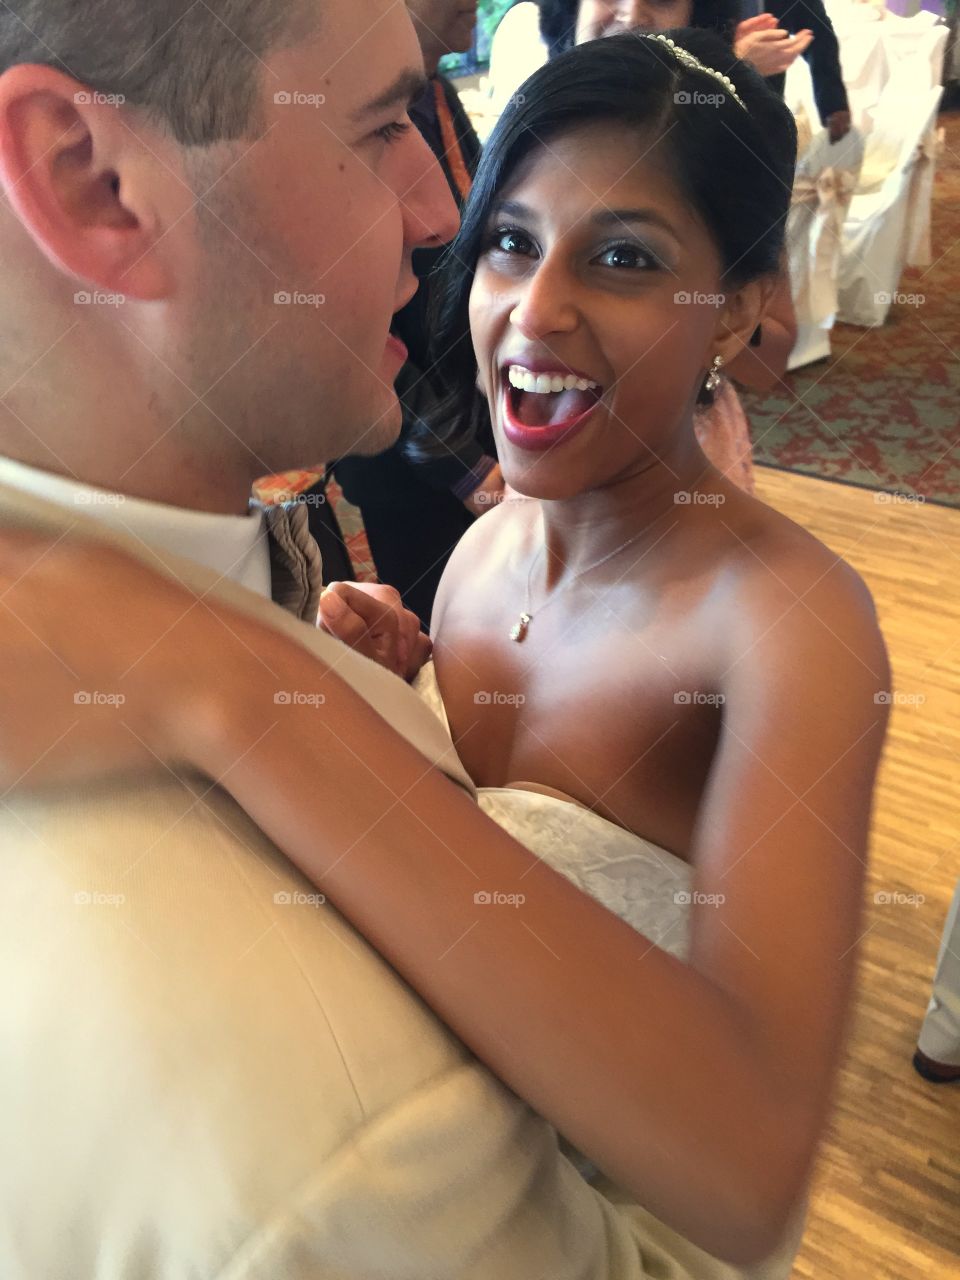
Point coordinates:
[[97, 655], [370, 618]]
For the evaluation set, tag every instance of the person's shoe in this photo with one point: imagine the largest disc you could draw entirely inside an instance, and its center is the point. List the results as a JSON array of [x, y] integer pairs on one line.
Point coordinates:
[[935, 1072]]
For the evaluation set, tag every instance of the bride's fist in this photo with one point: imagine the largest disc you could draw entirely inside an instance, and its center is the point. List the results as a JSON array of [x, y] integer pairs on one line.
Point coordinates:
[[370, 618]]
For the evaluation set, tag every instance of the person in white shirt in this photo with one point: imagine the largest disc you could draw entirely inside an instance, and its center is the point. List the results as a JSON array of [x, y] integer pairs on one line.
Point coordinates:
[[206, 1071]]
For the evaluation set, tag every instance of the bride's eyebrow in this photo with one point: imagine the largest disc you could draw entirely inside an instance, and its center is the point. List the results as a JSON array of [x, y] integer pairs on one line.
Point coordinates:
[[514, 209], [618, 217]]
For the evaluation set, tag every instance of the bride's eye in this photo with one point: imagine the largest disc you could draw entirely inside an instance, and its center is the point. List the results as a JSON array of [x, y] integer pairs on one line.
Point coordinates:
[[509, 240], [628, 257]]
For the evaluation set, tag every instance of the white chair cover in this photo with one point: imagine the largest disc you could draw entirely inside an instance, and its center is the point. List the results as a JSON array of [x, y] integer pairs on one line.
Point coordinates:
[[891, 204], [825, 180]]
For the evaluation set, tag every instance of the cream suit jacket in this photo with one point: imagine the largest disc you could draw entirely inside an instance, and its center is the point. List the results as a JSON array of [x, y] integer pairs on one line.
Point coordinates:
[[204, 1076]]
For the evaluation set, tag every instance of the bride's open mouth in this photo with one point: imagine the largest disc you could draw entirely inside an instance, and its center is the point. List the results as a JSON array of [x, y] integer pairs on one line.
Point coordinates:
[[544, 406]]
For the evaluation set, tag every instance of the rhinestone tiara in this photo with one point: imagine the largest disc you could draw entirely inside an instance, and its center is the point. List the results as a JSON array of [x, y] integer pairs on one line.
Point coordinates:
[[685, 57]]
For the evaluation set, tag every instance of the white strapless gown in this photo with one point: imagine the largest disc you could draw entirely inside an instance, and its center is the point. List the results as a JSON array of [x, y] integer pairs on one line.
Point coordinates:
[[649, 888]]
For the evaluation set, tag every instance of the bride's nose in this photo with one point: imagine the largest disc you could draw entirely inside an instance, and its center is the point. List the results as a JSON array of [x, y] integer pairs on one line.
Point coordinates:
[[547, 304]]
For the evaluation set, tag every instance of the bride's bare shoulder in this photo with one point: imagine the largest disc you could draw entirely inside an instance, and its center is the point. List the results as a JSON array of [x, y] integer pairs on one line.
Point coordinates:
[[774, 569]]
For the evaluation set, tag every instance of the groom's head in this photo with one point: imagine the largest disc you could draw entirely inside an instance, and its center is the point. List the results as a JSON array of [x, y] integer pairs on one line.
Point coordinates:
[[239, 174]]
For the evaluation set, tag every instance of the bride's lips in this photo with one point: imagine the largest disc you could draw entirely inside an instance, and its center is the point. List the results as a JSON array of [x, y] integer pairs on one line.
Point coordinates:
[[539, 438]]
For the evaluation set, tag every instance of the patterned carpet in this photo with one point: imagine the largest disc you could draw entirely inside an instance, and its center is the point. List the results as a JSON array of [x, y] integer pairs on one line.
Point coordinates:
[[884, 411]]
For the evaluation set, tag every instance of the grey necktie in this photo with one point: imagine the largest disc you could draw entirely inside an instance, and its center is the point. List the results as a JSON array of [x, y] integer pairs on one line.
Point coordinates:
[[296, 566]]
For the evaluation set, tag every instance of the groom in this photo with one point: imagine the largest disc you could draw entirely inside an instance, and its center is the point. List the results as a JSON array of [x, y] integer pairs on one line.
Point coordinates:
[[205, 1071]]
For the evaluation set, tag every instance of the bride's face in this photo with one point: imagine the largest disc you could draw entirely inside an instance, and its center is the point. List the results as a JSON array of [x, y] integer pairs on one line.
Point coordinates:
[[596, 270]]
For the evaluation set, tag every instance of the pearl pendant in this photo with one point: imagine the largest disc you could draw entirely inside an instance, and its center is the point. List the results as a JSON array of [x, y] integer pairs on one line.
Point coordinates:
[[519, 632]]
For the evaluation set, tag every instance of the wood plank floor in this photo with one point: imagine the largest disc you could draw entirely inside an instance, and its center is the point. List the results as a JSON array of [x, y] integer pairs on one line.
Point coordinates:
[[886, 1199]]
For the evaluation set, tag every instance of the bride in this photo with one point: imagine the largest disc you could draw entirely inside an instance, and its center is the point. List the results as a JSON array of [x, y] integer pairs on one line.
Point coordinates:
[[666, 691]]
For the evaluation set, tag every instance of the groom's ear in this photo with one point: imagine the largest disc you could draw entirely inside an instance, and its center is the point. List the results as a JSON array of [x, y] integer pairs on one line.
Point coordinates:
[[81, 182]]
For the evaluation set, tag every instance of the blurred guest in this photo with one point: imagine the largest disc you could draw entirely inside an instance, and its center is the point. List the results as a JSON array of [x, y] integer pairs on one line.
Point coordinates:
[[416, 508], [558, 24], [937, 1057], [822, 52], [771, 35]]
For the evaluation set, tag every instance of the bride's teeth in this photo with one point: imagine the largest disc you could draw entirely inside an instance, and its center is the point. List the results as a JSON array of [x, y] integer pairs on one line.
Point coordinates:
[[547, 383]]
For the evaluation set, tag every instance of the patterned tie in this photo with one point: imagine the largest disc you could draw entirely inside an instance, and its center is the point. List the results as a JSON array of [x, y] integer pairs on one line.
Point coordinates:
[[295, 562]]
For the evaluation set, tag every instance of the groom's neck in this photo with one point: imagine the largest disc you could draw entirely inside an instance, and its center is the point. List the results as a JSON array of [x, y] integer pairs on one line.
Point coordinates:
[[145, 464]]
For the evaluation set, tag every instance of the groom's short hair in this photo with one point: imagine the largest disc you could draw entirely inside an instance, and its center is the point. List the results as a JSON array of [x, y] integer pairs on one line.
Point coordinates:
[[193, 65]]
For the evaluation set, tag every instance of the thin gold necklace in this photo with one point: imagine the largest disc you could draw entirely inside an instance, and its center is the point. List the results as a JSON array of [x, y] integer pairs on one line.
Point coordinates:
[[519, 631]]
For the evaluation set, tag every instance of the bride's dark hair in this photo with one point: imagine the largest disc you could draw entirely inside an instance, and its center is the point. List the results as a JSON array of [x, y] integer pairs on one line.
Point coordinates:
[[734, 166]]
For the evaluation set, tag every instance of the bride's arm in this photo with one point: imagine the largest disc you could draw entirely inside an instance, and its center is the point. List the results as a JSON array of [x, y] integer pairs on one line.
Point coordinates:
[[703, 1087]]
